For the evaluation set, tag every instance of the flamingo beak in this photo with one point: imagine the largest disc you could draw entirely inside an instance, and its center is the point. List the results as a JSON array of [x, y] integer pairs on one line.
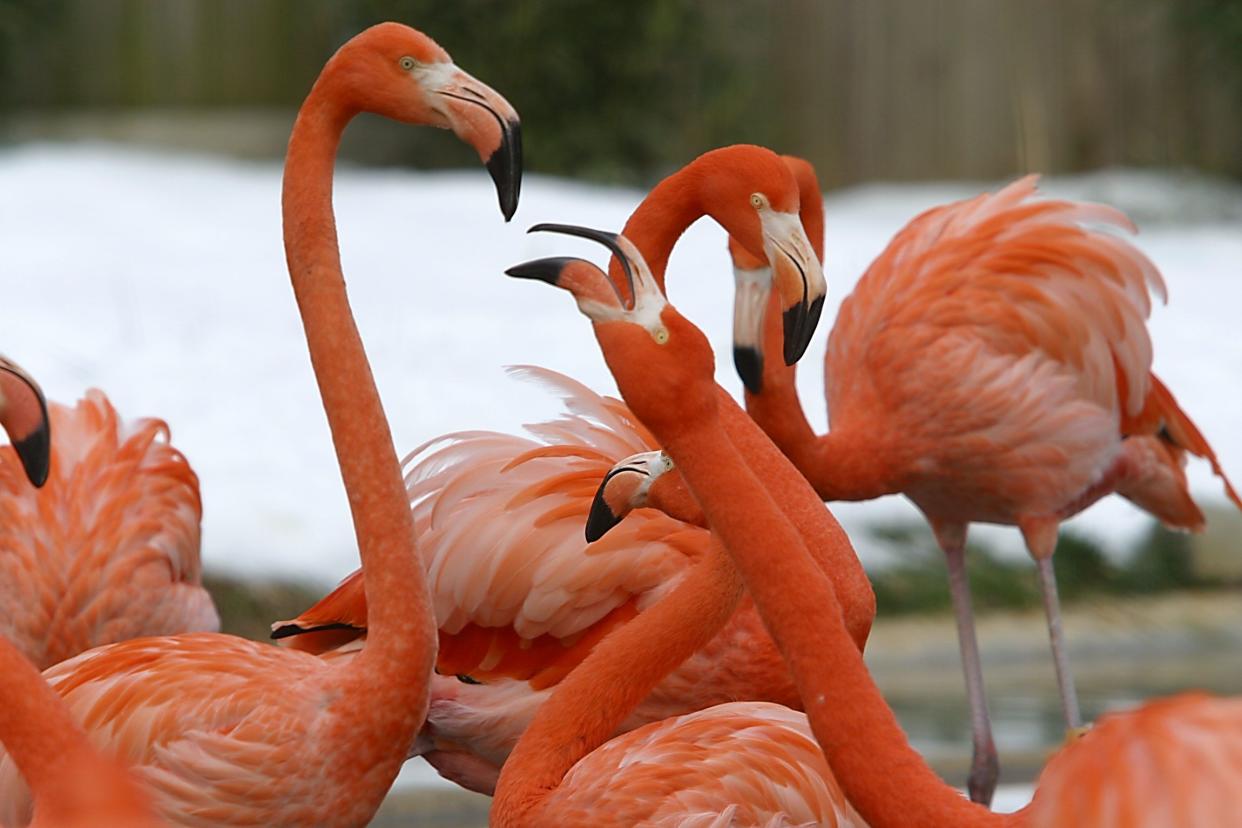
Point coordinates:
[[481, 117], [798, 278], [624, 489], [752, 287], [23, 414]]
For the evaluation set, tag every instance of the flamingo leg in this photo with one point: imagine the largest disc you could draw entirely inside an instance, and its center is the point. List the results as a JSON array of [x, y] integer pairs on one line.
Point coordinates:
[[984, 763], [1052, 609]]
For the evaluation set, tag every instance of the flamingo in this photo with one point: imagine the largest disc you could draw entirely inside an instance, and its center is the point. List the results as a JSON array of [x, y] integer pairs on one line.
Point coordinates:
[[708, 767], [992, 365], [1171, 762], [224, 731], [108, 548]]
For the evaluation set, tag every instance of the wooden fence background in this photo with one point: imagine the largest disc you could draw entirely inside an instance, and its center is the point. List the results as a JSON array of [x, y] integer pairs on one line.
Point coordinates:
[[868, 89]]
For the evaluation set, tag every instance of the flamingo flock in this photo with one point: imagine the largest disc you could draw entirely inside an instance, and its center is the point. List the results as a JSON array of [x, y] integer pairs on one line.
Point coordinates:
[[643, 614]]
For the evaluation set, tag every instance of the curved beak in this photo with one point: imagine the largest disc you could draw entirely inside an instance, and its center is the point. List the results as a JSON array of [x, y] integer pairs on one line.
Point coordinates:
[[798, 278], [623, 490], [478, 115], [23, 414]]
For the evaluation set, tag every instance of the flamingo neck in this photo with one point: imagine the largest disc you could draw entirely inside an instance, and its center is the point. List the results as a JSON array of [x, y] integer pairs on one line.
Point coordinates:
[[35, 726], [592, 701], [825, 540], [656, 225], [883, 777], [395, 666]]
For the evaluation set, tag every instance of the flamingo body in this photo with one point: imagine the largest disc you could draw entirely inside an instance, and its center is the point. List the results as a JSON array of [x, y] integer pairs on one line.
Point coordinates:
[[759, 758], [108, 548]]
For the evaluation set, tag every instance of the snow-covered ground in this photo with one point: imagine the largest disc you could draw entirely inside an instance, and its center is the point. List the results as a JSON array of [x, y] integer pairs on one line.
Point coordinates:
[[161, 279]]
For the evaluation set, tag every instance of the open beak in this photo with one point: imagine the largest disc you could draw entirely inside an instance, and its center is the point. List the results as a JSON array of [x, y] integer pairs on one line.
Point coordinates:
[[485, 120], [23, 414], [798, 278]]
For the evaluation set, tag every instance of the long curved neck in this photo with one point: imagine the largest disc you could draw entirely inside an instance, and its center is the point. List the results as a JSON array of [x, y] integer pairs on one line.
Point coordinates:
[[400, 646], [593, 700], [825, 540], [883, 777], [839, 465], [654, 228]]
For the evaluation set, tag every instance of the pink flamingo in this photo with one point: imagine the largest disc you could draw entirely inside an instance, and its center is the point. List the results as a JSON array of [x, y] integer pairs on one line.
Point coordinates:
[[224, 731]]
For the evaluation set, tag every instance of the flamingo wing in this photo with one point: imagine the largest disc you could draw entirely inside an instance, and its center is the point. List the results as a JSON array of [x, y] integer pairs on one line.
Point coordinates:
[[999, 332], [518, 592]]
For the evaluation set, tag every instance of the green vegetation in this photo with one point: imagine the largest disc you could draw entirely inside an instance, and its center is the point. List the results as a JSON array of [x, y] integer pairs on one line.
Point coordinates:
[[248, 607], [917, 583]]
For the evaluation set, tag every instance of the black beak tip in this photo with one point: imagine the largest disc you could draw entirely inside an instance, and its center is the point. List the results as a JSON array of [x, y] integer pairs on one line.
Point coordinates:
[[800, 322], [749, 364], [35, 452], [600, 520], [545, 270], [505, 167]]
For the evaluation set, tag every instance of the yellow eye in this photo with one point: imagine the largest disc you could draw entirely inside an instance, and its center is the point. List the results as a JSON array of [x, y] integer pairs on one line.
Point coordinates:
[[660, 335], [757, 200], [407, 63]]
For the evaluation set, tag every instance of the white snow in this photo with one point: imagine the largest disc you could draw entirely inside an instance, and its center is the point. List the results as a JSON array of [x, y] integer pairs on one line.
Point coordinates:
[[161, 280]]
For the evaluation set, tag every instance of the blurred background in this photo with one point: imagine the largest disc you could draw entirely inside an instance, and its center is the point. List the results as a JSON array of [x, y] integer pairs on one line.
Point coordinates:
[[140, 150]]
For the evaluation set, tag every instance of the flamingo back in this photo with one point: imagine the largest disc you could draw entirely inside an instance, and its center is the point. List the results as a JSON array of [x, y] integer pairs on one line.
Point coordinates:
[[740, 764], [108, 549], [1174, 761]]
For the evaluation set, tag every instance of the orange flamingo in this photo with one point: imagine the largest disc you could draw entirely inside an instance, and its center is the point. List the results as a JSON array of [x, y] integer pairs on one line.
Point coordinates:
[[1173, 762], [108, 548], [675, 772], [993, 365], [224, 731]]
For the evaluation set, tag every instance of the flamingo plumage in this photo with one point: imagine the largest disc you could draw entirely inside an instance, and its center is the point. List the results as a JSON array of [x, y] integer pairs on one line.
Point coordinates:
[[487, 508], [224, 731], [677, 772], [108, 548], [1177, 761]]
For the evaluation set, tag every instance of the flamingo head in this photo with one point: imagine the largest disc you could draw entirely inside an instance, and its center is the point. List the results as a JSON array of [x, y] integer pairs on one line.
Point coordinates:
[[662, 363], [625, 488], [753, 278], [400, 73], [23, 414]]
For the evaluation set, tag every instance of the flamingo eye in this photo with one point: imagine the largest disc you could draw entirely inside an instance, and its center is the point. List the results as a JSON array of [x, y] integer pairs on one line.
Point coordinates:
[[407, 63], [660, 335], [758, 201]]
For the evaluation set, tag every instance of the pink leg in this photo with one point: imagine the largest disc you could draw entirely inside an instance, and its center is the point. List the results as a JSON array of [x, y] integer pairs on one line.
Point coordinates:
[[984, 764], [1060, 658], [1040, 534]]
